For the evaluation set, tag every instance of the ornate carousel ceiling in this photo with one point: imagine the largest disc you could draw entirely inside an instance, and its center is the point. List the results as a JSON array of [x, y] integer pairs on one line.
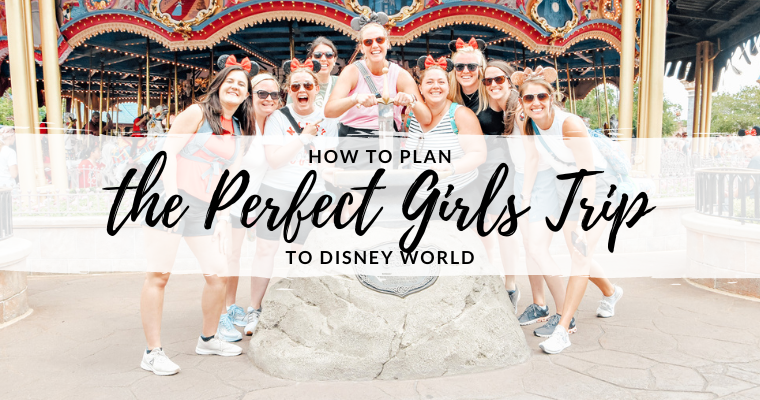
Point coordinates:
[[577, 33]]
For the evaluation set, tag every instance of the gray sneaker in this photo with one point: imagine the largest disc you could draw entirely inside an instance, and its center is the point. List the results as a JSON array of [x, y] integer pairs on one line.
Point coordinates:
[[514, 297], [534, 313], [548, 328]]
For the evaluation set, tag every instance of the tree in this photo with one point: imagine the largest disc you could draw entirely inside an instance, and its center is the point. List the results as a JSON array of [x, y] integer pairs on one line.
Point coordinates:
[[587, 108], [731, 112]]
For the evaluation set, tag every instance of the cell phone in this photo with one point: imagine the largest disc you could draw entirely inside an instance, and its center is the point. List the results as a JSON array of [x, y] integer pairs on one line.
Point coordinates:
[[580, 246]]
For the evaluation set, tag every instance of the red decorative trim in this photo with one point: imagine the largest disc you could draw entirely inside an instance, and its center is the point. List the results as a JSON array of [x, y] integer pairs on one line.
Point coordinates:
[[233, 19]]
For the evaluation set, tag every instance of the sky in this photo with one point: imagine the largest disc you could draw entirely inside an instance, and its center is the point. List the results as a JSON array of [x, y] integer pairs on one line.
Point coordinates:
[[730, 81]]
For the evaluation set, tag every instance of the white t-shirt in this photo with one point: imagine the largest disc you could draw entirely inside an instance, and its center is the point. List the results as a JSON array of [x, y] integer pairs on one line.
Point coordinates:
[[278, 131], [7, 160], [255, 162]]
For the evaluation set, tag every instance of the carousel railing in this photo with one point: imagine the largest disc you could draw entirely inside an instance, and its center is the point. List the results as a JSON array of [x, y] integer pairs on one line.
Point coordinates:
[[730, 193], [71, 203]]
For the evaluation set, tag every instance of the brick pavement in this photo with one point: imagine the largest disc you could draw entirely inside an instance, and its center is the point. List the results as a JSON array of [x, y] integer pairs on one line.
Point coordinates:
[[669, 340]]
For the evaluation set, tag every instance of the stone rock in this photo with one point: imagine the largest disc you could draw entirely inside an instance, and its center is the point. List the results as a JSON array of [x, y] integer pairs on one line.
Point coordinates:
[[334, 328]]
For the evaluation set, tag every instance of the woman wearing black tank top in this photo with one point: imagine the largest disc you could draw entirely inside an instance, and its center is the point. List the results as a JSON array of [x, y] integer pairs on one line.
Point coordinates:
[[468, 89]]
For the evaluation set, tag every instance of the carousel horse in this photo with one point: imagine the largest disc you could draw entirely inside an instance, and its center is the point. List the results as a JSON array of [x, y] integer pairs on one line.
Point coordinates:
[[155, 124]]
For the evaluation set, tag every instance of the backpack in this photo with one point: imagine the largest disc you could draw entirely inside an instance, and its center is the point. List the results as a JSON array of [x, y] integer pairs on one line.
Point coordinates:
[[612, 153], [198, 142]]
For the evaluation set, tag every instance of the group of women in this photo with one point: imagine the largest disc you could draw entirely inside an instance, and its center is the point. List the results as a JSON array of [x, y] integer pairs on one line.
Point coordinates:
[[451, 96]]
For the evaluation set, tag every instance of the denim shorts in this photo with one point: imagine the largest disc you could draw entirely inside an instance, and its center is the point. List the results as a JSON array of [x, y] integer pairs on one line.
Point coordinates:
[[543, 198], [192, 222], [603, 182]]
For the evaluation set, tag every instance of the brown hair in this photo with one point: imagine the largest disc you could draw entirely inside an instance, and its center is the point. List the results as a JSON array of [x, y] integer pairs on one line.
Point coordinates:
[[321, 41], [537, 80], [212, 107], [432, 68], [510, 110]]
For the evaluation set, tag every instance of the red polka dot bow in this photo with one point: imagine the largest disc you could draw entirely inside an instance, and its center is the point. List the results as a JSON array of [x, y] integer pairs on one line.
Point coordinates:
[[751, 132], [245, 63], [429, 62], [472, 43]]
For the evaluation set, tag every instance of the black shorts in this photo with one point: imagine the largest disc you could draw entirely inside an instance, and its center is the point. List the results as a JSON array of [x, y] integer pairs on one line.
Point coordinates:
[[282, 199], [192, 222]]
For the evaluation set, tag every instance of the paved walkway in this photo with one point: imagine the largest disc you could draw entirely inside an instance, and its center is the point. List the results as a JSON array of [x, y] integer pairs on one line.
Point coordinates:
[[669, 340]]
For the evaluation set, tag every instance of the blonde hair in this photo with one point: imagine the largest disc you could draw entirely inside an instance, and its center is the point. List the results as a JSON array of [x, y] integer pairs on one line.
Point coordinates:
[[455, 92], [369, 25], [264, 76]]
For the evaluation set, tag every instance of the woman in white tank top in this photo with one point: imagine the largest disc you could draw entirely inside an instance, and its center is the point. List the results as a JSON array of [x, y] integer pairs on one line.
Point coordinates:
[[563, 140]]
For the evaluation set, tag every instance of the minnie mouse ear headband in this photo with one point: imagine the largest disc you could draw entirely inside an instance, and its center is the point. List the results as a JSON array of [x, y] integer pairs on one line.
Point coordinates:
[[459, 44], [292, 65], [548, 74], [227, 60], [361, 21], [426, 62], [752, 132]]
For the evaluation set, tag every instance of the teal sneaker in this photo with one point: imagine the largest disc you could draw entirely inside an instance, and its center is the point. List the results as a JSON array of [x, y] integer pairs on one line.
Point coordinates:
[[534, 313], [226, 330], [237, 314]]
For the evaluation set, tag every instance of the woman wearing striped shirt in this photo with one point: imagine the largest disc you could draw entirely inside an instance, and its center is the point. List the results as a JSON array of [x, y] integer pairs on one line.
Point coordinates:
[[463, 139]]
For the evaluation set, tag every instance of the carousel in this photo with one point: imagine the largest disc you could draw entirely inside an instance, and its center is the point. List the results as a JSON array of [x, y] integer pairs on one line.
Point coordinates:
[[81, 56]]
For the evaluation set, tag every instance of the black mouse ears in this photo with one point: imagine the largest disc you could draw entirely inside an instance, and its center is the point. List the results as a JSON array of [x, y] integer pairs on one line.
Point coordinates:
[[459, 44], [426, 62], [292, 65], [361, 21], [227, 60]]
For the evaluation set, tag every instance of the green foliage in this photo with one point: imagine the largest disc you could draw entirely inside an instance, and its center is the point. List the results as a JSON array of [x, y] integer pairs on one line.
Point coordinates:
[[587, 108], [731, 112], [6, 109]]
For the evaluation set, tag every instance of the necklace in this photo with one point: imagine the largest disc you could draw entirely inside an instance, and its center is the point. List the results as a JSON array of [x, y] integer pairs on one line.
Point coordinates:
[[469, 96]]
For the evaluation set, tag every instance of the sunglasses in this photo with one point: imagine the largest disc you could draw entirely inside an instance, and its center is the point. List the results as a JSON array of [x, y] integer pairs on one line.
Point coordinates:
[[328, 54], [470, 67], [528, 98], [297, 86], [263, 94], [379, 40], [498, 79]]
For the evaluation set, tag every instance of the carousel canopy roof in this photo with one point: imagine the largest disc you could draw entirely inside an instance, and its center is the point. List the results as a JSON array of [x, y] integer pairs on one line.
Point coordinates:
[[123, 55], [730, 24]]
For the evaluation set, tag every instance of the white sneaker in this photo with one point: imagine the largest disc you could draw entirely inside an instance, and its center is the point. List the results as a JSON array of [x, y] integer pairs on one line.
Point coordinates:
[[607, 306], [226, 330], [251, 319], [158, 363], [217, 347], [558, 341]]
